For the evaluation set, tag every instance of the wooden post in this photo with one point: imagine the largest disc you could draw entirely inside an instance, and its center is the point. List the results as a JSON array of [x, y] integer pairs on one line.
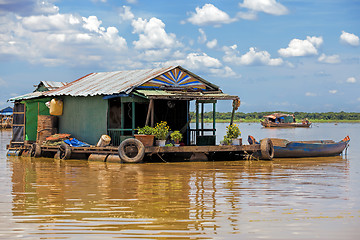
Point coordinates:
[[122, 118], [133, 117], [153, 114], [149, 112], [214, 105], [197, 118], [202, 119]]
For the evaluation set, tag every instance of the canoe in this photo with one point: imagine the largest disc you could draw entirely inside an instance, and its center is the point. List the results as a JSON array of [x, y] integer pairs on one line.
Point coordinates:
[[297, 149]]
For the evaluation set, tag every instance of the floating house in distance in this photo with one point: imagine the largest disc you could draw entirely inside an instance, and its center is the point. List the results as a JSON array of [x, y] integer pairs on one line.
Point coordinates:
[[6, 117], [117, 103]]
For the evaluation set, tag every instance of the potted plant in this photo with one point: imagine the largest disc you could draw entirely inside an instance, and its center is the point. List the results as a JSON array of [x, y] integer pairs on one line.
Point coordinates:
[[176, 136], [161, 131], [232, 134], [146, 136]]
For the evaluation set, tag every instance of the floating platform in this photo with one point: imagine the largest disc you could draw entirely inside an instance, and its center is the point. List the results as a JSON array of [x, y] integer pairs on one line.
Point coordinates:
[[133, 151]]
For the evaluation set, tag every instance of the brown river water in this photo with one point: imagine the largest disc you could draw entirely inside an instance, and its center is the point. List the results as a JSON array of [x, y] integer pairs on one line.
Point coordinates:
[[310, 198]]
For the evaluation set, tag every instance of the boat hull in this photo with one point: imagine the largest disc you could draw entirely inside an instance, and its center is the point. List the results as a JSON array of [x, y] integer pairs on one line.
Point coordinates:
[[310, 149], [285, 125]]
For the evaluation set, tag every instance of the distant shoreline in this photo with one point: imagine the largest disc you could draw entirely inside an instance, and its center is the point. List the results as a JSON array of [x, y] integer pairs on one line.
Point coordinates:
[[258, 121]]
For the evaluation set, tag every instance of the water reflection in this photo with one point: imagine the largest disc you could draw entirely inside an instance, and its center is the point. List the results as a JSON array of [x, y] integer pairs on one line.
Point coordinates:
[[171, 200]]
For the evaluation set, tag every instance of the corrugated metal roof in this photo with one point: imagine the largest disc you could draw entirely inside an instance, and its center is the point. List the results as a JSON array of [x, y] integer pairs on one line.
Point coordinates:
[[53, 85], [27, 96], [108, 83]]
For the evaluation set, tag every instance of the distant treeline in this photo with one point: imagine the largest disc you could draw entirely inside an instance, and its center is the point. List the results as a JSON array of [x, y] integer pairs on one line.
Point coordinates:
[[256, 116]]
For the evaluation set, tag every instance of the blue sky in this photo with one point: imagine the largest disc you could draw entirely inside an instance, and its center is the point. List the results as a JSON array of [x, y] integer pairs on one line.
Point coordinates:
[[274, 54]]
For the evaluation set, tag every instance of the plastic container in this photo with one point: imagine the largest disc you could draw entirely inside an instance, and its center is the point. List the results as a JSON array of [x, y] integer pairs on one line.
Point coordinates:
[[104, 141], [56, 107]]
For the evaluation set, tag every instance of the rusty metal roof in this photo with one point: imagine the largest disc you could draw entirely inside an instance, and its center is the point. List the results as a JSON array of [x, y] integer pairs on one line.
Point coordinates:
[[109, 83]]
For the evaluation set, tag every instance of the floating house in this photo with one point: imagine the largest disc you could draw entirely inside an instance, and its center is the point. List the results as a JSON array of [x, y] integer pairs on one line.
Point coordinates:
[[6, 117], [117, 104], [283, 120]]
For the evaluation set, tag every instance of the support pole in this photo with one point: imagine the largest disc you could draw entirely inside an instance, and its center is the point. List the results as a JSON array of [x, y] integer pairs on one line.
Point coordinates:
[[122, 118], [133, 117], [153, 114], [149, 112], [197, 118], [214, 105], [202, 119]]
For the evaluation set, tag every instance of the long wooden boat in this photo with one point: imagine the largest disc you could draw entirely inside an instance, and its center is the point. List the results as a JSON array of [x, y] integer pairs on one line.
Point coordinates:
[[297, 149]]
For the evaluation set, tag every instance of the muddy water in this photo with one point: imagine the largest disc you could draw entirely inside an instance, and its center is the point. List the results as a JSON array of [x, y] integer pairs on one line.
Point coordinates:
[[282, 199]]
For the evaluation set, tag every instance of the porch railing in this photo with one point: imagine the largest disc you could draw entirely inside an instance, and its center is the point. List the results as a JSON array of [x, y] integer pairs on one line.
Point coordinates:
[[119, 135]]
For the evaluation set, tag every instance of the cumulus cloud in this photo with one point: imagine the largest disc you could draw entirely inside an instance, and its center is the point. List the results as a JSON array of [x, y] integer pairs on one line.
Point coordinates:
[[212, 43], [58, 39], [152, 34], [202, 38], [310, 94], [267, 6], [329, 59], [209, 15], [126, 14], [297, 47], [28, 7], [333, 91], [351, 80], [252, 57], [349, 38]]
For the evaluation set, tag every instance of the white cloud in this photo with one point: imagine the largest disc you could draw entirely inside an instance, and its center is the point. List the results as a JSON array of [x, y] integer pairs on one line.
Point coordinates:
[[92, 23], [59, 39], [212, 43], [132, 1], [351, 80], [196, 61], [252, 57], [202, 38], [329, 59], [126, 13], [299, 47], [209, 15], [267, 6], [333, 91], [28, 7], [310, 94], [152, 34], [349, 38], [250, 15]]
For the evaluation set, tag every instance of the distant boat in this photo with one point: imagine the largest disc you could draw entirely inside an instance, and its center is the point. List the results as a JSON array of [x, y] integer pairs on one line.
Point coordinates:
[[283, 120], [296, 149]]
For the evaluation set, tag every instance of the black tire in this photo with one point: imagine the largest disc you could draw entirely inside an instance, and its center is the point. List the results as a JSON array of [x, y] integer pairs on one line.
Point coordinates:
[[267, 149], [65, 151], [35, 150], [131, 150]]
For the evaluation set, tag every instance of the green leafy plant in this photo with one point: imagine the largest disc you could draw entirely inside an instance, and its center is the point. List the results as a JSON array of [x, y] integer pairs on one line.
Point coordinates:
[[161, 130], [176, 136], [233, 131], [146, 130]]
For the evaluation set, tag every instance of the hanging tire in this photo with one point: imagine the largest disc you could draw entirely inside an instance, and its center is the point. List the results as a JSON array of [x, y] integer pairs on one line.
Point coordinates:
[[131, 150], [65, 151], [35, 150], [267, 149]]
